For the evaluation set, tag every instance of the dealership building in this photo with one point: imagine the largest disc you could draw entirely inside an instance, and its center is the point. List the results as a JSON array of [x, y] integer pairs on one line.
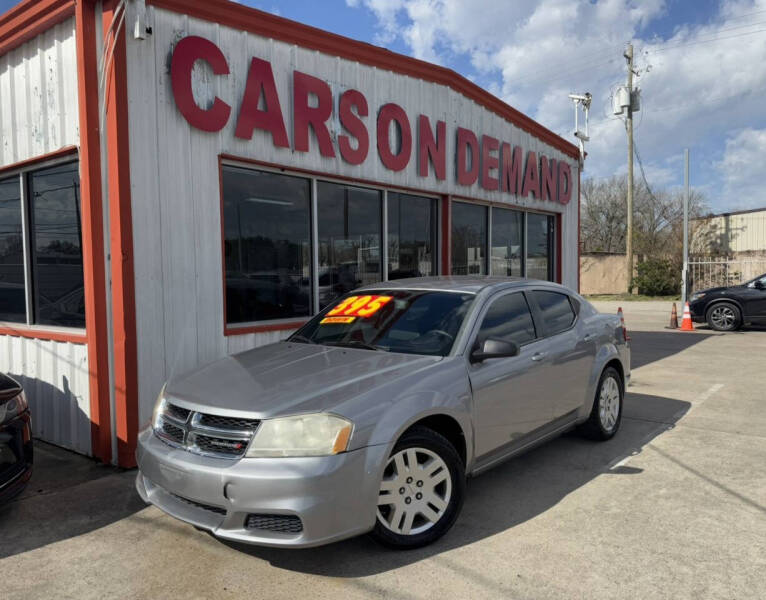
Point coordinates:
[[186, 179]]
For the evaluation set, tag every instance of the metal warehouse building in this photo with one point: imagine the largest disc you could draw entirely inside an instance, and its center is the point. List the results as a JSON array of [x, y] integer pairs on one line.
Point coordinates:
[[182, 179]]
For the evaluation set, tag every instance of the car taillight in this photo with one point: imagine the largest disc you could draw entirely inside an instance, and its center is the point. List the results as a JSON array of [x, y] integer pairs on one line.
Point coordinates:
[[625, 335]]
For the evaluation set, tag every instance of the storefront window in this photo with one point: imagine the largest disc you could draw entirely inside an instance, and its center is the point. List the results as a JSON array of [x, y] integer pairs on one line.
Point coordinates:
[[12, 295], [540, 246], [57, 232], [411, 236], [349, 222], [507, 242], [267, 245], [469, 239]]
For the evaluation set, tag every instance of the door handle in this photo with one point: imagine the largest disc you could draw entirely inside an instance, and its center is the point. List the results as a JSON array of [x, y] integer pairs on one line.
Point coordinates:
[[587, 337], [539, 356]]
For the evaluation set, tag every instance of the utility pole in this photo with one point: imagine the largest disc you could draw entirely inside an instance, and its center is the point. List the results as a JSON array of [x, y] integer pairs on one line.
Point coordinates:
[[685, 272], [629, 126]]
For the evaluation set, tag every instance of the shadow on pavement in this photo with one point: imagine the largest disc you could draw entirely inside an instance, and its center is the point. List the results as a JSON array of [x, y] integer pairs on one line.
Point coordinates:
[[650, 346], [68, 495], [501, 499]]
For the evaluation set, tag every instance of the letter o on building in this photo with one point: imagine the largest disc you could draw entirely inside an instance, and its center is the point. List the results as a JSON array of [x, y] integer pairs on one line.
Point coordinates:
[[394, 161]]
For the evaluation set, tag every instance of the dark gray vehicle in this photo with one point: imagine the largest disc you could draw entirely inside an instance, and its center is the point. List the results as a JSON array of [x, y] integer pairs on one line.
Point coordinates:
[[370, 417]]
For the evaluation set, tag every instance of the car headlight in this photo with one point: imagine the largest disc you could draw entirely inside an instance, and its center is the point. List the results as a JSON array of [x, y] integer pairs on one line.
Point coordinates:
[[13, 408], [697, 296], [159, 407], [302, 435]]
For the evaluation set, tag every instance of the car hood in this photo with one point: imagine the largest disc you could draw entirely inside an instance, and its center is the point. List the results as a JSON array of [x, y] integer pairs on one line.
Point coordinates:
[[714, 289], [289, 378]]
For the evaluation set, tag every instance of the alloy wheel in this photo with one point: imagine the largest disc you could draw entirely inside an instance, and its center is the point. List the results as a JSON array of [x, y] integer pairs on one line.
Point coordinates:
[[415, 491], [609, 403], [723, 317]]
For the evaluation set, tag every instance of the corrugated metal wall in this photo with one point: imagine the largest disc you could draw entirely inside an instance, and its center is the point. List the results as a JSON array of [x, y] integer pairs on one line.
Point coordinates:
[[175, 179], [55, 377], [38, 96], [732, 233], [38, 115]]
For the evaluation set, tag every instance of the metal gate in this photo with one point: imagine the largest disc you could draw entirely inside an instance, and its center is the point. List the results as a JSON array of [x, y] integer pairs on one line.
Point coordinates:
[[722, 272]]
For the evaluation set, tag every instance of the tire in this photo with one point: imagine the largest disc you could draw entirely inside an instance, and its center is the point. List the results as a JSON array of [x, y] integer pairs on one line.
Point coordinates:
[[606, 416], [439, 502], [724, 316]]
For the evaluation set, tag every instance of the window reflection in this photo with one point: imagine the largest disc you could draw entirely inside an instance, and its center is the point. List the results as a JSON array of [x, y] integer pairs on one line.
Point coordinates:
[[12, 297], [539, 246], [507, 242], [349, 221], [469, 239], [54, 196], [411, 236], [266, 245]]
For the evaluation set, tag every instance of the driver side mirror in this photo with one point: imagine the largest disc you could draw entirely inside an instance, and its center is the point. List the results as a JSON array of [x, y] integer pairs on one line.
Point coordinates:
[[493, 348]]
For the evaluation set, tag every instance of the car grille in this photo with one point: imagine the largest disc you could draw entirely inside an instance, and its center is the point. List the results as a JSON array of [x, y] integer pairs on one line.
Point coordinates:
[[278, 523], [208, 507], [203, 433]]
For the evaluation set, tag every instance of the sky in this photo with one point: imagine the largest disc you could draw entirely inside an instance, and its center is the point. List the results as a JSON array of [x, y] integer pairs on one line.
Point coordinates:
[[700, 69]]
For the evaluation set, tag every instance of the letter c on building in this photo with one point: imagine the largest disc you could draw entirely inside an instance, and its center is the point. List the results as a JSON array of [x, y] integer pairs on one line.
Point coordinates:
[[187, 52]]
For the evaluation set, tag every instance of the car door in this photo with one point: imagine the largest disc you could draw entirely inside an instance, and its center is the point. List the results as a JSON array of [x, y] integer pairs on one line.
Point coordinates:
[[509, 394], [754, 301], [569, 353]]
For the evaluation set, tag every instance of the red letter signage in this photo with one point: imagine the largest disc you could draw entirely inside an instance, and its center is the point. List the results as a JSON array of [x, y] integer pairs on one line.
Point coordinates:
[[510, 174], [187, 52], [388, 113], [531, 177], [261, 79], [565, 182], [355, 126], [466, 140], [430, 148], [489, 162], [305, 115], [549, 177]]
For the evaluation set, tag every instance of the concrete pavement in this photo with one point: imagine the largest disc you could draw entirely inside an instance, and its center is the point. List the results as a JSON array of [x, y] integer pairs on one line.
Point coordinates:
[[673, 506]]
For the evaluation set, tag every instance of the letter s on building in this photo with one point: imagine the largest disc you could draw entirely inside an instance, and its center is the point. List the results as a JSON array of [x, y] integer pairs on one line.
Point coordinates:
[[187, 52]]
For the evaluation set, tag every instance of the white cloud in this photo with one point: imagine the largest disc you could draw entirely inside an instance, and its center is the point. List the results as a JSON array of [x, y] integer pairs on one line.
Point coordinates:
[[698, 85], [741, 169]]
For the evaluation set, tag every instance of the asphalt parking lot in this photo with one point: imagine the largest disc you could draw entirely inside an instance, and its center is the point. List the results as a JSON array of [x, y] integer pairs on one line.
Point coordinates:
[[673, 507]]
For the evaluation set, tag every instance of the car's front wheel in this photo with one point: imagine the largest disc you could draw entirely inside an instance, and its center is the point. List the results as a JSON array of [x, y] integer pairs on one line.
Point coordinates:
[[724, 316], [421, 491]]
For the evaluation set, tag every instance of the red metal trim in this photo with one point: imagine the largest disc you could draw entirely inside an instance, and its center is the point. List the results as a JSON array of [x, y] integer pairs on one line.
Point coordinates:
[[34, 333], [125, 351], [559, 258], [446, 226], [31, 18], [233, 330], [92, 232], [30, 162], [243, 18]]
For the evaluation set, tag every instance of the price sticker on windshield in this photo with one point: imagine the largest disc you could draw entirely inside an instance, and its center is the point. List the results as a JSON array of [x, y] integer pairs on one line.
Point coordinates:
[[360, 306], [337, 320]]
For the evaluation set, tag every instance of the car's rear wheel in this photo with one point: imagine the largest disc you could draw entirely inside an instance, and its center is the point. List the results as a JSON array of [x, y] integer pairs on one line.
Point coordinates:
[[724, 316], [421, 491], [606, 415]]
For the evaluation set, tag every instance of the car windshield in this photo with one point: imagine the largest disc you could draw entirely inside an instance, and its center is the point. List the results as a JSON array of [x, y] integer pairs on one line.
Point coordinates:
[[407, 321]]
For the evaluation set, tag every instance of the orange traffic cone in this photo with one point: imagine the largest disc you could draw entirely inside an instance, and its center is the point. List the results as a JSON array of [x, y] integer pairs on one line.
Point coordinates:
[[686, 322], [622, 323], [673, 318]]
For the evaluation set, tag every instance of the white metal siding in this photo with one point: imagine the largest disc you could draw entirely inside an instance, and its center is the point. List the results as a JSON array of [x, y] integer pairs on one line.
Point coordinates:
[[175, 178], [732, 234], [38, 115], [38, 96], [55, 378]]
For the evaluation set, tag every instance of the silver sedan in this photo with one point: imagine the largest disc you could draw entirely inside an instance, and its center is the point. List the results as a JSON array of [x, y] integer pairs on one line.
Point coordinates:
[[370, 417]]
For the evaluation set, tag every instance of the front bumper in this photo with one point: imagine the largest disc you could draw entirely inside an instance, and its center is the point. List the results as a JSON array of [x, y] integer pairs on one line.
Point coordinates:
[[15, 456], [335, 497]]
